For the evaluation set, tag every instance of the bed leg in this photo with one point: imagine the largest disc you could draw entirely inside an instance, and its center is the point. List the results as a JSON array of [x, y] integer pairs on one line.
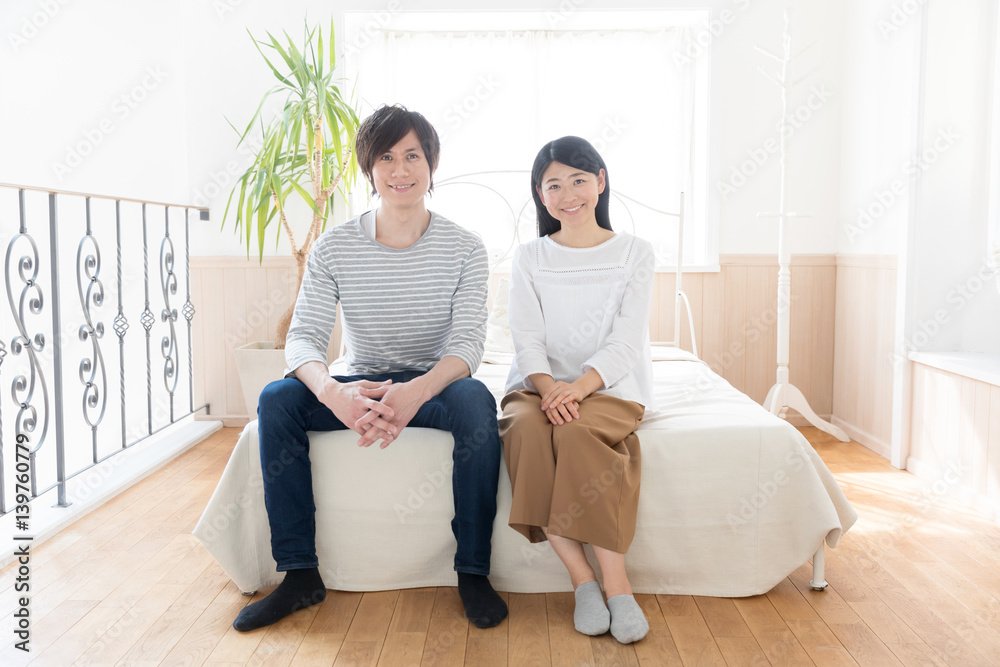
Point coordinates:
[[818, 582], [248, 593]]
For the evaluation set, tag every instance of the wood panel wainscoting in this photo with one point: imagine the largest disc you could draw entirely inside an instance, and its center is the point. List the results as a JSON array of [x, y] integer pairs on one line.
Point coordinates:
[[955, 437], [863, 358], [735, 313]]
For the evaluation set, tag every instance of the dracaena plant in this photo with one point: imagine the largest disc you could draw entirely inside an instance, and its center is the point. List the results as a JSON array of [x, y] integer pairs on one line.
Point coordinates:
[[305, 152]]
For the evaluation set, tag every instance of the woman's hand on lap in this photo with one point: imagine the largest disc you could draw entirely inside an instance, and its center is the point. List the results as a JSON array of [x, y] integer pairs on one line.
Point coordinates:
[[563, 412], [561, 393]]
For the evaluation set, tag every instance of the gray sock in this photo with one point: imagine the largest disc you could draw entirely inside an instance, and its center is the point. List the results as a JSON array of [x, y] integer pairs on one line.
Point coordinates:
[[591, 617], [628, 623]]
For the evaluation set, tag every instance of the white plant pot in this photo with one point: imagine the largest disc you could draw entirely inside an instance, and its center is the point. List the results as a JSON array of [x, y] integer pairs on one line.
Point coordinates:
[[258, 364]]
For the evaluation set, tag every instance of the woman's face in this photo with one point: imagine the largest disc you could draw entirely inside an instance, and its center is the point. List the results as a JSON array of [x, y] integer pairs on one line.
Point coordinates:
[[402, 174], [570, 194]]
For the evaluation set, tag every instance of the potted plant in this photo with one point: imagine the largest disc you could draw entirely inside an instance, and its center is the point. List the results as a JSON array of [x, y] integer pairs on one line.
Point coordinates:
[[305, 155]]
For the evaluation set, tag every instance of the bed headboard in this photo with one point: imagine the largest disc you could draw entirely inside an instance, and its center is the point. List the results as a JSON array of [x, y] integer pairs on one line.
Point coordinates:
[[512, 221]]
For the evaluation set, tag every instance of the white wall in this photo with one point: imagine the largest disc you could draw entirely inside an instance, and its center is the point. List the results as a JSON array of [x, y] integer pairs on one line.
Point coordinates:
[[176, 145], [879, 81], [94, 97], [916, 160], [953, 283]]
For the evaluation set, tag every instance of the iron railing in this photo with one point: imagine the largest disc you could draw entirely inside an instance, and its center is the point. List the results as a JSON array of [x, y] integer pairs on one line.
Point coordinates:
[[35, 282]]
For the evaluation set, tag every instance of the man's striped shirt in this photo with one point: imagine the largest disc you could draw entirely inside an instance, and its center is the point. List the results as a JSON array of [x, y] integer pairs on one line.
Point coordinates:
[[402, 309]]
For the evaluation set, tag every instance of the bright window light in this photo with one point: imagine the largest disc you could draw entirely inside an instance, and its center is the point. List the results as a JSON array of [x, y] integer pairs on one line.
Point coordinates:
[[498, 86]]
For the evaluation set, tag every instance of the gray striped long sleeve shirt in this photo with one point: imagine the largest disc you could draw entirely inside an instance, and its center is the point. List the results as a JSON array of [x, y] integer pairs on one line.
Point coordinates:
[[402, 309]]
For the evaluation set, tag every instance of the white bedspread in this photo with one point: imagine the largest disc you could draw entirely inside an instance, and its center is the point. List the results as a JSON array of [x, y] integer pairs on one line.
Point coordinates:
[[732, 500]]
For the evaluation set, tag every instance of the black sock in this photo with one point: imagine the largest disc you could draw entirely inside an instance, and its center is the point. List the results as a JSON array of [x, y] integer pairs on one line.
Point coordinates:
[[300, 589], [482, 604]]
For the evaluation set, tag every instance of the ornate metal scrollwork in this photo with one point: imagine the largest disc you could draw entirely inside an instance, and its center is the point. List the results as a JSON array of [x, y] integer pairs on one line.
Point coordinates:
[[23, 387], [88, 268], [168, 345]]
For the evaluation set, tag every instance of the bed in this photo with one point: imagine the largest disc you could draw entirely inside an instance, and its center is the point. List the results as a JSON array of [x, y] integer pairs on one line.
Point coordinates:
[[732, 500]]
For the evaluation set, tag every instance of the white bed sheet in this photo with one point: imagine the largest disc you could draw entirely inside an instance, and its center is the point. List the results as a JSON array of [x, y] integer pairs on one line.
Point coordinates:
[[732, 500]]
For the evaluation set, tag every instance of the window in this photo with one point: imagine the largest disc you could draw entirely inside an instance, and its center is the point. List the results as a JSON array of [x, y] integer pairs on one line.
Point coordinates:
[[497, 86]]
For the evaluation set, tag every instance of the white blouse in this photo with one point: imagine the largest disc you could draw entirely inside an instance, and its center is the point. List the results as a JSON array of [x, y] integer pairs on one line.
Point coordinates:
[[573, 309]]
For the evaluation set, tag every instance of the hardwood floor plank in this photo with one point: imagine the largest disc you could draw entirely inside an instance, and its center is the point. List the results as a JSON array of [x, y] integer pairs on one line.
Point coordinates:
[[488, 647], [366, 635], [608, 652], [967, 627], [47, 632], [204, 635], [567, 646], [722, 617], [407, 634], [689, 631], [402, 649], [158, 640], [821, 643], [658, 647], [863, 644], [413, 610], [742, 652], [528, 638], [789, 603], [281, 641], [775, 638], [318, 650], [949, 644], [447, 638], [128, 585], [336, 613], [120, 637]]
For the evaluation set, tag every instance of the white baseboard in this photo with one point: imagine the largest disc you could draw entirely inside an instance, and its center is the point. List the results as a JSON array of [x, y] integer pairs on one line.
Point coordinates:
[[883, 449], [230, 421], [795, 419], [92, 488]]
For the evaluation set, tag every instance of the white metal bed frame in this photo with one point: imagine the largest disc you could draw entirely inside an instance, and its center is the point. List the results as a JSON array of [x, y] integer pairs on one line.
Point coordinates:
[[818, 581]]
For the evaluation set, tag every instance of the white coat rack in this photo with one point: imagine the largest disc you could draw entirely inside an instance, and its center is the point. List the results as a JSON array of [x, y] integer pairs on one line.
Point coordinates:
[[784, 394]]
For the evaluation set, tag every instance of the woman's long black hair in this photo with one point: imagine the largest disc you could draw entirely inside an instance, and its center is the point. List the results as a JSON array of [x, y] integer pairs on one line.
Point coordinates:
[[579, 154]]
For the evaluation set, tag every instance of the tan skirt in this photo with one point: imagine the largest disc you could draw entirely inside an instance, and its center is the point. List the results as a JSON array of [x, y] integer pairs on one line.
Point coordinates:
[[580, 479]]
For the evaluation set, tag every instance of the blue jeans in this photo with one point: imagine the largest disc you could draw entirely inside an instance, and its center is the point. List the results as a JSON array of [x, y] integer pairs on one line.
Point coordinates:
[[288, 409]]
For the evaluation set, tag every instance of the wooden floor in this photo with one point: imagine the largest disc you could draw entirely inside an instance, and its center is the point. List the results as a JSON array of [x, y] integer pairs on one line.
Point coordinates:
[[916, 581]]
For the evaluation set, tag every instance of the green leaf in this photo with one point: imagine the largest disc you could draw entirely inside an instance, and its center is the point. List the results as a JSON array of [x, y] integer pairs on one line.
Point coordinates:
[[304, 70]]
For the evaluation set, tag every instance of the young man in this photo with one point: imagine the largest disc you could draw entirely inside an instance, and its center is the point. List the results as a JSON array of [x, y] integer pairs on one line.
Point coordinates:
[[412, 287]]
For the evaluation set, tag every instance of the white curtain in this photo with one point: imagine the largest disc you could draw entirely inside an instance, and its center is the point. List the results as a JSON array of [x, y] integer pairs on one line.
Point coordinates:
[[497, 97]]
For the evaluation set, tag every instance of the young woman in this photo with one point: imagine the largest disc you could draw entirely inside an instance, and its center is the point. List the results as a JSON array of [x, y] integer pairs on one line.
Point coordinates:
[[580, 300]]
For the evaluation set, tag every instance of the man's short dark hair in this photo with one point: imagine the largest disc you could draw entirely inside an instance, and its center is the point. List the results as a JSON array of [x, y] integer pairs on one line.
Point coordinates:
[[384, 128]]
